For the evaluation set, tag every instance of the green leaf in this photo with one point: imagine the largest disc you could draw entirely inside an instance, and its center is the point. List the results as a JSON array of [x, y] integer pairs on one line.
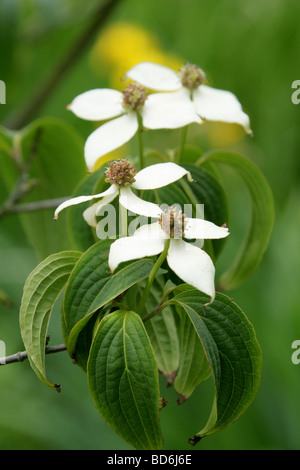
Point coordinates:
[[206, 190], [87, 279], [163, 335], [210, 192], [161, 328], [92, 286], [168, 195], [193, 366], [232, 351], [80, 232], [9, 226], [151, 157], [191, 154], [123, 379], [40, 293], [171, 195], [53, 152], [84, 341], [262, 218]]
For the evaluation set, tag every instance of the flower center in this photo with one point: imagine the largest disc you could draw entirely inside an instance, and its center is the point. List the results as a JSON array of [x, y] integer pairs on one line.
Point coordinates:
[[134, 96], [172, 221], [121, 173], [191, 76]]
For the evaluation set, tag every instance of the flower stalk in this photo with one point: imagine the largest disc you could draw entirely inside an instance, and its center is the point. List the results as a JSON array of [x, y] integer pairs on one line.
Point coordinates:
[[152, 275], [140, 141], [123, 219], [183, 136]]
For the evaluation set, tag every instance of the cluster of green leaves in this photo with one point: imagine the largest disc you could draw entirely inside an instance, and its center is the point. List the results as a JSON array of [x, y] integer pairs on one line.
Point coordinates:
[[35, 166], [178, 334]]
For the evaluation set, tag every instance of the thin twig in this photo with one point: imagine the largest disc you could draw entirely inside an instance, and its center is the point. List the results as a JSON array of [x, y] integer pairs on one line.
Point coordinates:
[[24, 184], [35, 206], [150, 315], [21, 356], [43, 93]]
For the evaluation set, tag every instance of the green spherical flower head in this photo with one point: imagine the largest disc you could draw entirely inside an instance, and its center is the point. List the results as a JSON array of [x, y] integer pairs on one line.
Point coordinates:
[[172, 221], [191, 76], [120, 173], [134, 97]]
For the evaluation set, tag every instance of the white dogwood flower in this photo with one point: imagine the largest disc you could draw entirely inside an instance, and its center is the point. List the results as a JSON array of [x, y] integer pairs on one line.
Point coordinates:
[[122, 176], [191, 264], [189, 84], [124, 109]]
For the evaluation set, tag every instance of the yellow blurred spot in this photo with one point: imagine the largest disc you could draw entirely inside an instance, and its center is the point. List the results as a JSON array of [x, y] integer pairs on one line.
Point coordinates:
[[222, 134], [123, 45]]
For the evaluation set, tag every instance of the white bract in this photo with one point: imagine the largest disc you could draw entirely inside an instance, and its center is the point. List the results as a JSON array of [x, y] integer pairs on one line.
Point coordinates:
[[191, 264], [122, 176], [188, 85], [126, 108]]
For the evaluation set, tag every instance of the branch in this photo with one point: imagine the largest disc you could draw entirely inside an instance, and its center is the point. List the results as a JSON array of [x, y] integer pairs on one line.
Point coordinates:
[[24, 183], [21, 356], [33, 206], [43, 93]]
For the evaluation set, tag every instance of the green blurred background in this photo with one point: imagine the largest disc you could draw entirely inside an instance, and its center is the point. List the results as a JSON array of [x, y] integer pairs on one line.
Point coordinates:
[[250, 48]]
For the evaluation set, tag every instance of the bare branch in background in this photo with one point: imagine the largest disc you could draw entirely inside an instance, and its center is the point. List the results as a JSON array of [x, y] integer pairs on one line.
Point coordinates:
[[36, 206], [24, 183], [21, 356], [43, 93]]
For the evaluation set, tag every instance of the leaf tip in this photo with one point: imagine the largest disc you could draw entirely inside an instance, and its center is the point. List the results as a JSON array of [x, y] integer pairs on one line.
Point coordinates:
[[162, 403], [169, 376], [194, 440], [181, 399]]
